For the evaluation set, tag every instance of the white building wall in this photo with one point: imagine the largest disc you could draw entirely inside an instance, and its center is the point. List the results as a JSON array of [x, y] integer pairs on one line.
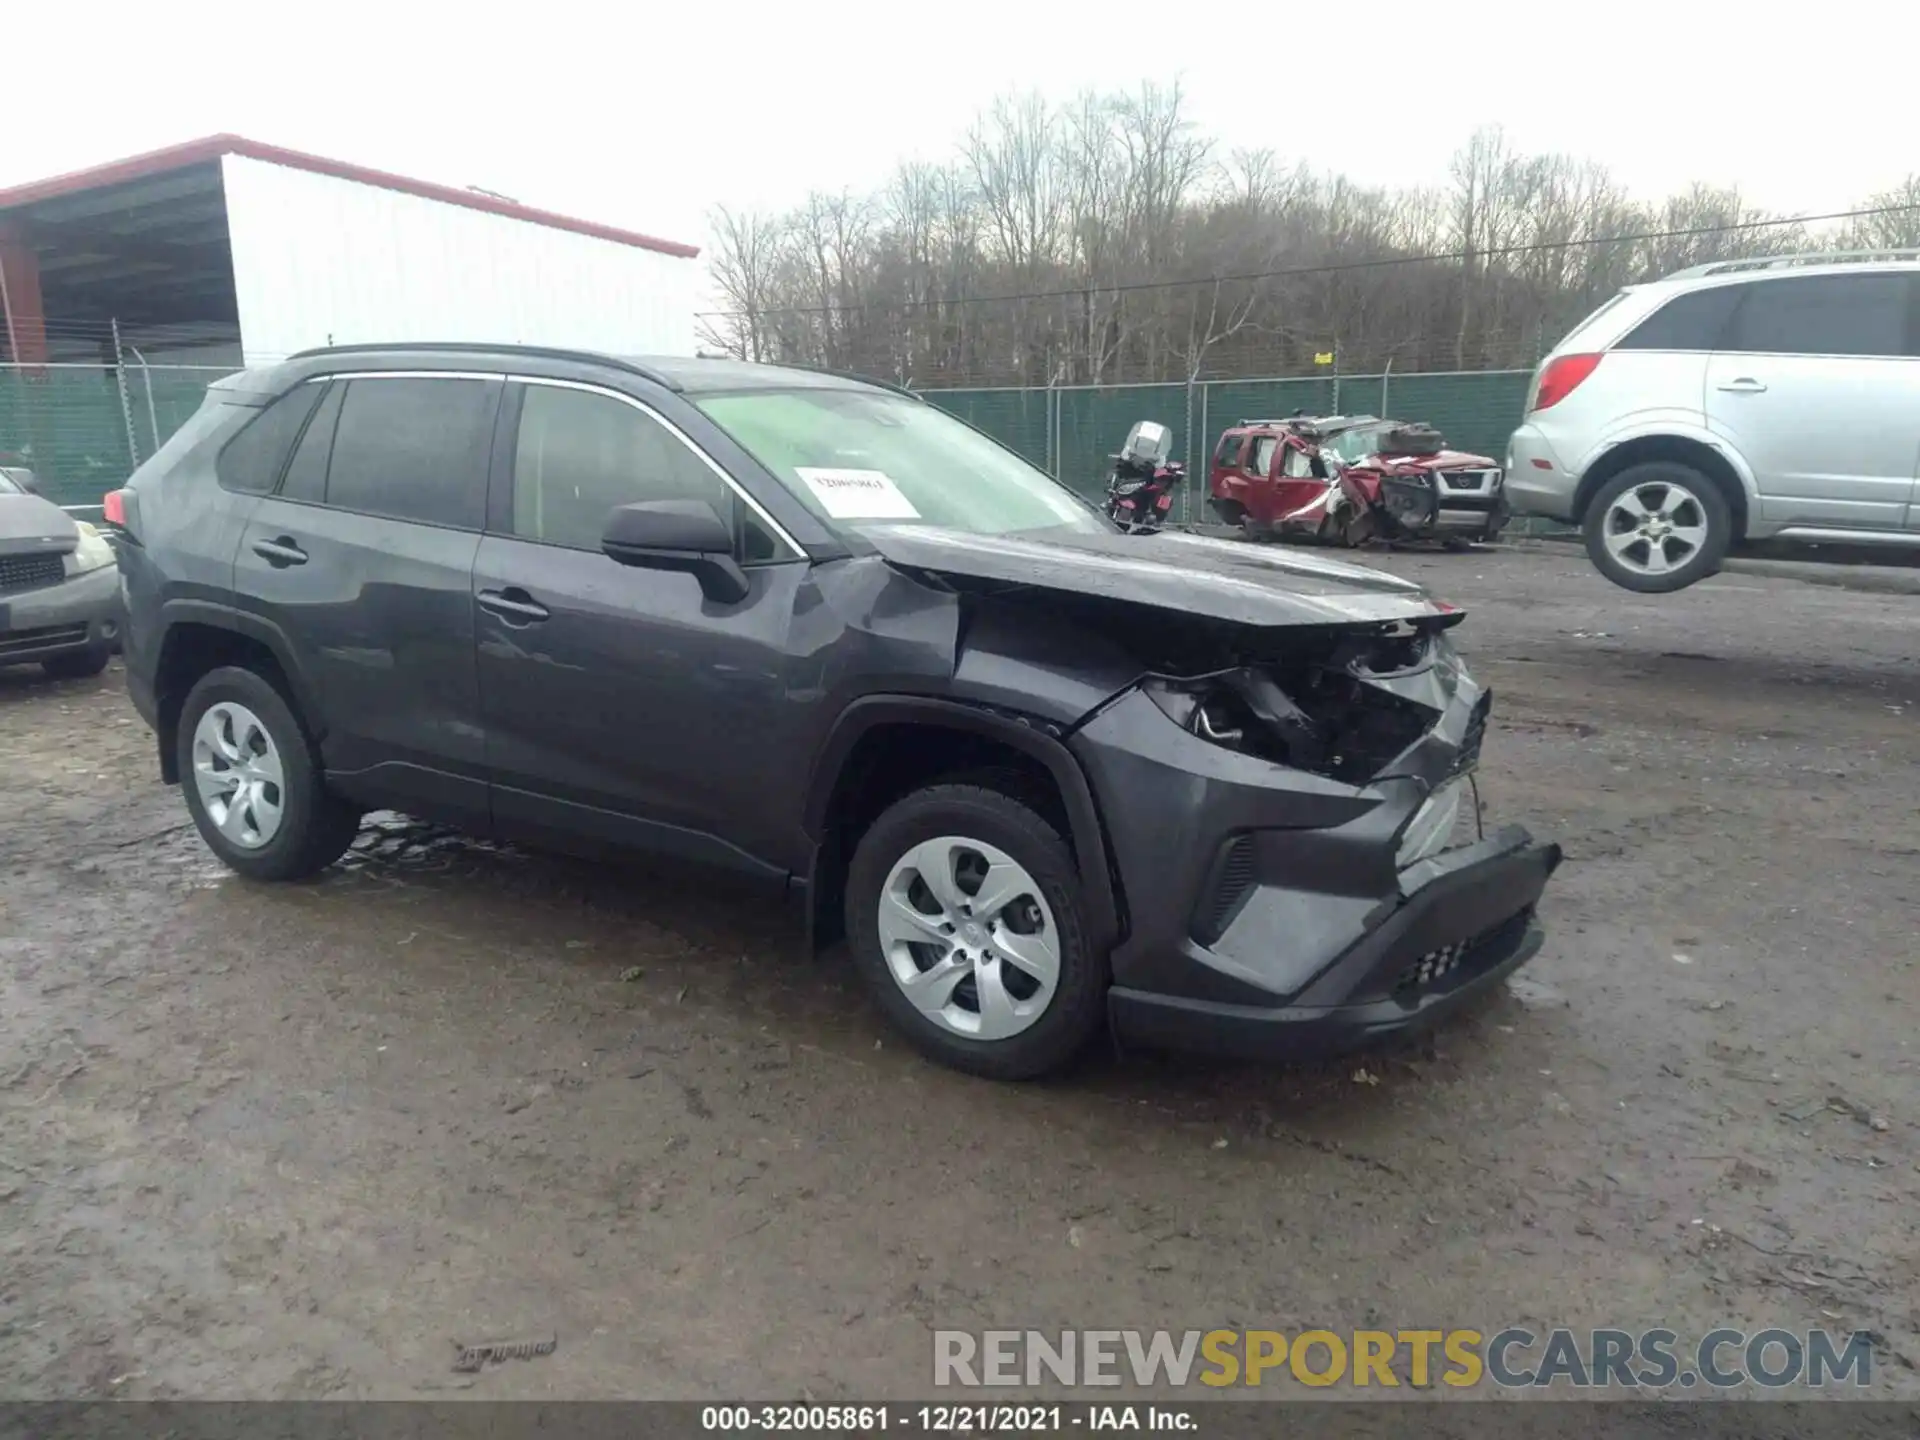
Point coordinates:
[[323, 261]]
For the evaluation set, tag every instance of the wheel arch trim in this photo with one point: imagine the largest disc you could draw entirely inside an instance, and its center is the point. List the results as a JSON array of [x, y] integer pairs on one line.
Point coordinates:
[[1601, 463], [1090, 847], [216, 616]]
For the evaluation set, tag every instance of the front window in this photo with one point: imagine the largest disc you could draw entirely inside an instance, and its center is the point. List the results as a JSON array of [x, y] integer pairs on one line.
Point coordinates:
[[1350, 447], [859, 456]]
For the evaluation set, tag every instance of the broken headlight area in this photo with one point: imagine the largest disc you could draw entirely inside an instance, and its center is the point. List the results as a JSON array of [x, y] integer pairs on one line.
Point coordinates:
[[1343, 708], [1409, 500]]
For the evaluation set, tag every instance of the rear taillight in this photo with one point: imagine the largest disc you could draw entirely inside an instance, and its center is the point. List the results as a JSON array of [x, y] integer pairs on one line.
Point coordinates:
[[113, 506], [1561, 377]]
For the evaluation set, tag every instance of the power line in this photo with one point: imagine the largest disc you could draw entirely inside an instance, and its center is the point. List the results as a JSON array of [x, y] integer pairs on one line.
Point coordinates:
[[1333, 268]]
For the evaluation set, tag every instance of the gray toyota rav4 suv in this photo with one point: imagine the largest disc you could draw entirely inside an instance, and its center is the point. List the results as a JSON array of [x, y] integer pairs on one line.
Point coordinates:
[[1044, 776]]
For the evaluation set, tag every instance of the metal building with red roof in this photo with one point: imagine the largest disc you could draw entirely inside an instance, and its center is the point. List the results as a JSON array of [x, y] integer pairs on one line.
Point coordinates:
[[229, 247]]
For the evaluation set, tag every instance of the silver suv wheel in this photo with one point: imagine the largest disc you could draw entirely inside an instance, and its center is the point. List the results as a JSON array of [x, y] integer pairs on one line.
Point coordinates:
[[1655, 527], [237, 770], [969, 938]]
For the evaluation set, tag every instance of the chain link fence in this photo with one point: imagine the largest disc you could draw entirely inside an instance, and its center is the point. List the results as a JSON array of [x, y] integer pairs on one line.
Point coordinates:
[[1070, 431], [82, 429]]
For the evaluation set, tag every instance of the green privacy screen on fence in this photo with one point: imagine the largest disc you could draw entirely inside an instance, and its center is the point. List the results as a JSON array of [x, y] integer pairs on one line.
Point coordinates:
[[71, 424], [1070, 431]]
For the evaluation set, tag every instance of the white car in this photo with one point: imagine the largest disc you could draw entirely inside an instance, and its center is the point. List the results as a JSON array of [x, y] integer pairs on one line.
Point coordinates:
[[1774, 399]]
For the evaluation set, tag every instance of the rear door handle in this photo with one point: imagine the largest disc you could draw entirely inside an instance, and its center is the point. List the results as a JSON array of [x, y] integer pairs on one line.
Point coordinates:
[[280, 552], [1745, 385], [513, 605]]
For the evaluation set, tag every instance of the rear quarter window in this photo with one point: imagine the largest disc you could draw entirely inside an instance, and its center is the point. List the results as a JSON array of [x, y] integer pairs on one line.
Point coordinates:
[[1693, 320], [252, 461]]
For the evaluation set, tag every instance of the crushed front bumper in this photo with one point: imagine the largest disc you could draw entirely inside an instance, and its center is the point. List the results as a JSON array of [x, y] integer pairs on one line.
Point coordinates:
[[1422, 511], [73, 616], [1463, 927], [1268, 911]]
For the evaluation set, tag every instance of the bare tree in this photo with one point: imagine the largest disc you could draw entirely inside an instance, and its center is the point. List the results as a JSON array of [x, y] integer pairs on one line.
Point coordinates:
[[1899, 229], [745, 270], [1101, 242]]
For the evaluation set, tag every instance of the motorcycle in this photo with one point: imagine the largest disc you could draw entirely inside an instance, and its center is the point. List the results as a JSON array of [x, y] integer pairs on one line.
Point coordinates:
[[1140, 489]]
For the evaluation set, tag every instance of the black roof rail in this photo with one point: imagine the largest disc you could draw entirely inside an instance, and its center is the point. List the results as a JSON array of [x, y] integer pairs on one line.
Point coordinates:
[[473, 347]]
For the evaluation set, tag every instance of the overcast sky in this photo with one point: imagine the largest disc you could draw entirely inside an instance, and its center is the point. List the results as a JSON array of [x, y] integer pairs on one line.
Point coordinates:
[[647, 115]]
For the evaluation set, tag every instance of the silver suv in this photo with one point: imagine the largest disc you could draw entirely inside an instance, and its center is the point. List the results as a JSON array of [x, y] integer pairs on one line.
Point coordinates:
[[1774, 399]]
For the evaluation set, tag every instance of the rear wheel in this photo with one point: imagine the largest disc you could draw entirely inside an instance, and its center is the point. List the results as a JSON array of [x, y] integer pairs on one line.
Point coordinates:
[[1658, 527], [966, 920], [253, 782]]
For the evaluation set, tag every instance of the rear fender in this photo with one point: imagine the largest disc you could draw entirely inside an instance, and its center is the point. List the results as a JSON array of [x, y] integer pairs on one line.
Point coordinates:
[[1680, 425], [177, 613]]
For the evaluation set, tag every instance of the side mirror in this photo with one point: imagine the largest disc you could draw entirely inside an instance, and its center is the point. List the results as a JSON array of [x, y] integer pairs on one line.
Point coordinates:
[[684, 535]]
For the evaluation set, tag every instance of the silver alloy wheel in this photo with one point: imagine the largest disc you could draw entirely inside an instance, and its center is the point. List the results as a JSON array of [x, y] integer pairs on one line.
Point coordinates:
[[1655, 527], [236, 769], [969, 938]]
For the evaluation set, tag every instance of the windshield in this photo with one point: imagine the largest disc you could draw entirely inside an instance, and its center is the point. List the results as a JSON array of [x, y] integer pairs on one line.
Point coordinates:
[[1351, 446], [854, 456], [10, 486]]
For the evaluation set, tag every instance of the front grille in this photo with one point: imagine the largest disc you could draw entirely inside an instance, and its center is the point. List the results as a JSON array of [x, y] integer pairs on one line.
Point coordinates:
[[1466, 481], [1474, 737], [23, 642], [1459, 962], [1232, 879], [29, 572]]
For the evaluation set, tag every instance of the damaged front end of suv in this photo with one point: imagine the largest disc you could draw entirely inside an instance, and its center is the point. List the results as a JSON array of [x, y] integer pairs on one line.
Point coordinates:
[[1286, 786]]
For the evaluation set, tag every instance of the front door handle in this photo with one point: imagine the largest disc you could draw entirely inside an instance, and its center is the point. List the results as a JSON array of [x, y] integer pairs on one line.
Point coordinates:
[[280, 552], [513, 605], [1745, 385]]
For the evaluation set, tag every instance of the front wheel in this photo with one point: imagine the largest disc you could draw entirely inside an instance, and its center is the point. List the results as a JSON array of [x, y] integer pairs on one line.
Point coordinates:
[[1658, 527], [966, 920]]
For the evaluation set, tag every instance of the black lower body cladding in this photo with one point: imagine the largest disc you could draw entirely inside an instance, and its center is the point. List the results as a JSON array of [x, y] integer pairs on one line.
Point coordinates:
[[1269, 912]]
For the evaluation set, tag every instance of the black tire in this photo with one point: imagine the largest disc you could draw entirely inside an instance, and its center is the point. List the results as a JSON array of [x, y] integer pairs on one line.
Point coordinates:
[[78, 665], [1702, 499], [977, 812], [1229, 512], [316, 826]]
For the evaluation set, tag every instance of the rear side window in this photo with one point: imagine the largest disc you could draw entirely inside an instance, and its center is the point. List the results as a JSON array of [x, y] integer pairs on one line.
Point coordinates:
[[415, 449], [1229, 452], [1696, 320], [1262, 461], [252, 460], [1823, 315]]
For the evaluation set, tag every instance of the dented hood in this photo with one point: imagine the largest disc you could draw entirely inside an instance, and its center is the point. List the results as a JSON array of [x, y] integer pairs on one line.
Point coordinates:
[[1191, 575]]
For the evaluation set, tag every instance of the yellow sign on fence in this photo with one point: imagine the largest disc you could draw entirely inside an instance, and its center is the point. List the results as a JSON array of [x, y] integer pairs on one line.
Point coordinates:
[[1324, 357]]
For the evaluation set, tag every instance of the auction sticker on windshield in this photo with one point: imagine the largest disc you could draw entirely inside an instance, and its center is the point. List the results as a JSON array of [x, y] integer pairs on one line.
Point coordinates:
[[857, 494]]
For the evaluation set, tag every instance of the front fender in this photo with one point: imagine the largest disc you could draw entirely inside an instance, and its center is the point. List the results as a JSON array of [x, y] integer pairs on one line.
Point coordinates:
[[1034, 738]]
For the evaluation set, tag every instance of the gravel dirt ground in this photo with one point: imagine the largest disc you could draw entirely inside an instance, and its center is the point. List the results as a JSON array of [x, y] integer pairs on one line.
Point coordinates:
[[296, 1141]]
